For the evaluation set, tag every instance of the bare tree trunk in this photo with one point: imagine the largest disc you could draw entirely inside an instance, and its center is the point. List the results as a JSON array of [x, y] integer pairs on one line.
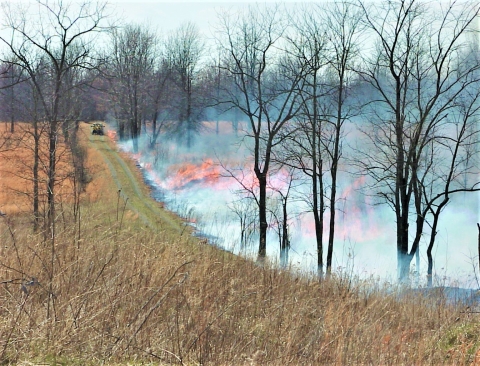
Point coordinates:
[[318, 209], [285, 243], [478, 226], [190, 127], [235, 121], [12, 101], [262, 215], [121, 129], [155, 134], [317, 178], [436, 216], [334, 172], [36, 160], [52, 159], [430, 259]]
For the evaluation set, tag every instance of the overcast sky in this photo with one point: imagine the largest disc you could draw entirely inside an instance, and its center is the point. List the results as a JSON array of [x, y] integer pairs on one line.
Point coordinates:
[[168, 15]]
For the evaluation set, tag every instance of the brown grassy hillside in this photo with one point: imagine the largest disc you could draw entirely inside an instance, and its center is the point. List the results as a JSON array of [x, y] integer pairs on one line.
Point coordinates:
[[127, 284]]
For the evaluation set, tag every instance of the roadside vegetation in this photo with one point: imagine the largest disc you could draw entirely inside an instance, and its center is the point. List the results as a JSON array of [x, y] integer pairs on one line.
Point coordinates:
[[118, 290]]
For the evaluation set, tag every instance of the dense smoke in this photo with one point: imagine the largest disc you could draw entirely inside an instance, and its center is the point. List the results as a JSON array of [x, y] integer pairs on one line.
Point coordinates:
[[195, 184], [349, 139]]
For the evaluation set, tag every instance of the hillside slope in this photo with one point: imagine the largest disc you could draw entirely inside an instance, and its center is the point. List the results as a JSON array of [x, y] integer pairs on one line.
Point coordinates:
[[124, 283]]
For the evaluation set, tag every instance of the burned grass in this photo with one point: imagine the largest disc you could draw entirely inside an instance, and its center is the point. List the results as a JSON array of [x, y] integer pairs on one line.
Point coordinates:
[[111, 289]]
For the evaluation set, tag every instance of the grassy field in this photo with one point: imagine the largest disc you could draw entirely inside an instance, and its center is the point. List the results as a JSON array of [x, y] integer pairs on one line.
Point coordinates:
[[125, 283]]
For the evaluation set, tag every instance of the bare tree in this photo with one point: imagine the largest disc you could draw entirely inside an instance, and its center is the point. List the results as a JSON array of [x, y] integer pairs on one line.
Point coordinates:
[[184, 51], [266, 90], [245, 211], [303, 148], [14, 76], [160, 98], [132, 62], [326, 41], [459, 154], [283, 194], [59, 42], [418, 77], [22, 104], [37, 130], [343, 28]]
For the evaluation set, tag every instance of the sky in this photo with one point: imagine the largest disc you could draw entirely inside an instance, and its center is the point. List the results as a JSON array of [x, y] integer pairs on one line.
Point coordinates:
[[166, 16]]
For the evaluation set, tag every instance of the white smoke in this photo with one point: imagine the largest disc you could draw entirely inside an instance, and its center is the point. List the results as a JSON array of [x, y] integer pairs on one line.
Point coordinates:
[[365, 244]]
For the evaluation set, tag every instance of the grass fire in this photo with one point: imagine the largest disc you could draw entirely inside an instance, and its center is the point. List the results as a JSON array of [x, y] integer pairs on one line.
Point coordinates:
[[130, 284], [298, 187]]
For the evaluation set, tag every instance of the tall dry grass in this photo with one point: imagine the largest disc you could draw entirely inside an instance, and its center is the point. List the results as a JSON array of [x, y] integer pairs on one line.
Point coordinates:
[[16, 169], [142, 296], [118, 292]]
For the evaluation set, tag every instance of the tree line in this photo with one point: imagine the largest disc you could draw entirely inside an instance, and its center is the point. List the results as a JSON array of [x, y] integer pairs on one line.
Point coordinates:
[[403, 75]]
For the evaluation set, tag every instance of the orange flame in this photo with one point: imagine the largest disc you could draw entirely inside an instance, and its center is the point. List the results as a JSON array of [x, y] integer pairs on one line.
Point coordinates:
[[180, 175], [112, 135]]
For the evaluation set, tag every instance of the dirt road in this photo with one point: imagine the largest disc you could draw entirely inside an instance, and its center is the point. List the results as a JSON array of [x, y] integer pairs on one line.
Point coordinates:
[[131, 189]]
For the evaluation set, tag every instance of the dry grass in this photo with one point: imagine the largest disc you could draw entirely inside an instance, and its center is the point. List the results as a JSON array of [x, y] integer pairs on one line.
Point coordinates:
[[137, 295], [16, 167]]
